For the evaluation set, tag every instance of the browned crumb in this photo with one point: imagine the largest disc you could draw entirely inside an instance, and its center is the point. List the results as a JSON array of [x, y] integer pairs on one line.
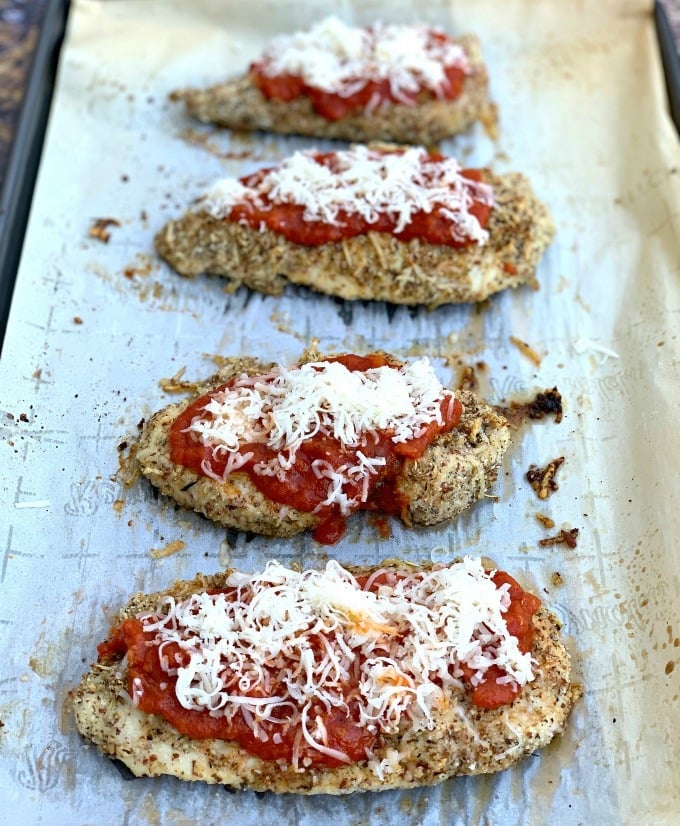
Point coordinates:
[[546, 521], [143, 266], [196, 138], [175, 384], [170, 549], [576, 691], [383, 527], [99, 228], [567, 536], [542, 480], [468, 379], [550, 401], [77, 319], [556, 579], [128, 471], [526, 350], [543, 404]]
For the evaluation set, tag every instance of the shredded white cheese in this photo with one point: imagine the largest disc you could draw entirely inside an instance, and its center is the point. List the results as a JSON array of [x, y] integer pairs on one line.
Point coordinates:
[[287, 407], [340, 59], [363, 181], [285, 644]]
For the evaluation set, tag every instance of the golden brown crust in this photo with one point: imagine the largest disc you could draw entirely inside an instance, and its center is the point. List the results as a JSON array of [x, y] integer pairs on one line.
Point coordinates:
[[465, 740], [238, 104], [375, 266], [456, 470]]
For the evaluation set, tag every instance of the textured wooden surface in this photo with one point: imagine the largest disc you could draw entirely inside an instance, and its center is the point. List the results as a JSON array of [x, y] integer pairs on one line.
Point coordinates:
[[19, 29]]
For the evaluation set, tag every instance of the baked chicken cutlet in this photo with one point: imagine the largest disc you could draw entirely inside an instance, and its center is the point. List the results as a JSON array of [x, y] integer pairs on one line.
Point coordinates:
[[278, 450], [329, 681], [409, 84], [380, 223]]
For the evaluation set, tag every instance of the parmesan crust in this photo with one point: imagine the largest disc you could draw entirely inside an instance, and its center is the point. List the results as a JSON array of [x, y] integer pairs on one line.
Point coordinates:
[[465, 739], [375, 266], [238, 104], [455, 471]]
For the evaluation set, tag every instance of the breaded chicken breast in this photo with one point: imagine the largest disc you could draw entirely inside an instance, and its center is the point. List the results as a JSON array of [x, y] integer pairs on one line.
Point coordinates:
[[400, 708], [456, 468], [416, 231], [407, 96]]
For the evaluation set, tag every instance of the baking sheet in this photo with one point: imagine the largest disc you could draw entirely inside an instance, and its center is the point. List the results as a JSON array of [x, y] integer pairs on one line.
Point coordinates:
[[94, 326]]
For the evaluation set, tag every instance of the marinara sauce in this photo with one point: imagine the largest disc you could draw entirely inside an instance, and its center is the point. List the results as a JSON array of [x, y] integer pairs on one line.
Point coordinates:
[[523, 605], [287, 219], [154, 690], [301, 488], [370, 94]]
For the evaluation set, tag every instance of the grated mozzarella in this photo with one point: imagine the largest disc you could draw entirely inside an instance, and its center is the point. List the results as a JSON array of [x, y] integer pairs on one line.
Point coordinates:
[[406, 641], [285, 408], [362, 181], [341, 59]]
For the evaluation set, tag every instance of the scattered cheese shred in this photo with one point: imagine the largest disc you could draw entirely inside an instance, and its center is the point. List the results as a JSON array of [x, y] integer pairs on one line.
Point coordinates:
[[362, 181], [309, 635], [341, 59]]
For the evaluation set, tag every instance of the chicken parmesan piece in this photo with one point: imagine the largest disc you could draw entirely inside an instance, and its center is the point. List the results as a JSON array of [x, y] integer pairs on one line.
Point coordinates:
[[278, 451], [409, 84], [329, 681], [381, 222]]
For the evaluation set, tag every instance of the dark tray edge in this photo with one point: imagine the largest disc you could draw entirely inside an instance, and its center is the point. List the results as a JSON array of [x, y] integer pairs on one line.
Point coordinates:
[[24, 158], [670, 57]]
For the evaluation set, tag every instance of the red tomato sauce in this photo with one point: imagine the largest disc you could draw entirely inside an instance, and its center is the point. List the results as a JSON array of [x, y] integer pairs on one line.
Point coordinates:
[[154, 689], [301, 488], [287, 219], [490, 694], [372, 94]]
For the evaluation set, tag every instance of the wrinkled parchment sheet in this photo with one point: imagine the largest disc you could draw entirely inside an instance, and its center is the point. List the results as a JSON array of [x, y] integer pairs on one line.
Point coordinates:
[[95, 326]]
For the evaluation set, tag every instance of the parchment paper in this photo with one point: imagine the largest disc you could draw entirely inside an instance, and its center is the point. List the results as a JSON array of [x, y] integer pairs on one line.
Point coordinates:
[[94, 326]]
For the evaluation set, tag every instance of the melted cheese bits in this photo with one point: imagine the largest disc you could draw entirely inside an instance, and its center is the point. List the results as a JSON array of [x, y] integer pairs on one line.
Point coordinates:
[[363, 181], [285, 408], [284, 643], [341, 59]]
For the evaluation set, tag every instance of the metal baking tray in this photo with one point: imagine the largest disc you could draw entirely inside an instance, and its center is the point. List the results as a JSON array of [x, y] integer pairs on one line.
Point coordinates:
[[94, 327]]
